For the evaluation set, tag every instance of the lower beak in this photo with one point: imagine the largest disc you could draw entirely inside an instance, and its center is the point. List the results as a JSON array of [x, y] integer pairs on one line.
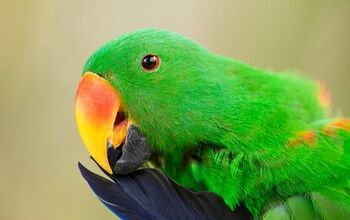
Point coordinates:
[[96, 107]]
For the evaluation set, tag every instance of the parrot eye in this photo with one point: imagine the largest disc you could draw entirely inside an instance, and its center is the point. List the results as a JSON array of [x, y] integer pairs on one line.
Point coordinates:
[[150, 62]]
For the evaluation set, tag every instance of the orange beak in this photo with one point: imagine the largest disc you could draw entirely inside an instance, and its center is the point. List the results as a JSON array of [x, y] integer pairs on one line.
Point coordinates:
[[97, 105]]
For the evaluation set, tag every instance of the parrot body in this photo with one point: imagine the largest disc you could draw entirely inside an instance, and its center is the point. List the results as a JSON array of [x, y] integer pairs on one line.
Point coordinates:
[[251, 136]]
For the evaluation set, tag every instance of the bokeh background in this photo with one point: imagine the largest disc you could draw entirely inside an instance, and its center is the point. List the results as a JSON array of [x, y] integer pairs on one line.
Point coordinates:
[[43, 47]]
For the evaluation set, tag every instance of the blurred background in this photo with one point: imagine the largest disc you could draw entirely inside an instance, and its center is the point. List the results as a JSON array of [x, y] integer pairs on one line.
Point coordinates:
[[43, 47]]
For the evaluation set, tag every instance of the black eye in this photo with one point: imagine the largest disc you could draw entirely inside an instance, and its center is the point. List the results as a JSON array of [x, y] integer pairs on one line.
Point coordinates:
[[150, 62]]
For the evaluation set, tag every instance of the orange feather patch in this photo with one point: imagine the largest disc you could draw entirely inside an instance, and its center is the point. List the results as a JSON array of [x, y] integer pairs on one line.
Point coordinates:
[[343, 124], [304, 138]]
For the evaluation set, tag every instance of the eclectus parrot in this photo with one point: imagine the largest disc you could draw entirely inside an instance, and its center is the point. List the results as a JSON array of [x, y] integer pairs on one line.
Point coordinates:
[[266, 140]]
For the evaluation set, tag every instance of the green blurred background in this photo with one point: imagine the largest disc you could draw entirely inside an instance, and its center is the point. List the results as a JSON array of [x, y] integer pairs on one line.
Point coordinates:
[[43, 47]]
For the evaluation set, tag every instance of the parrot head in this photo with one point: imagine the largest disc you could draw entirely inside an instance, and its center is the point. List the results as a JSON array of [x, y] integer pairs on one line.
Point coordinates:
[[160, 81]]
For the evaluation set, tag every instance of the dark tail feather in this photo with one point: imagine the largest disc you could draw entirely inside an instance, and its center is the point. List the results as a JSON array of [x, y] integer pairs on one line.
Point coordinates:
[[149, 194]]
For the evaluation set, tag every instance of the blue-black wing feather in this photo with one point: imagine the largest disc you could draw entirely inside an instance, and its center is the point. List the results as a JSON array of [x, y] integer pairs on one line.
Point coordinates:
[[149, 194]]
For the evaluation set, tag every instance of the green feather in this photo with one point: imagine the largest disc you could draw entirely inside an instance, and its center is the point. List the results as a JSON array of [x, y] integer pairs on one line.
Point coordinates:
[[253, 135], [300, 208], [330, 210], [277, 213]]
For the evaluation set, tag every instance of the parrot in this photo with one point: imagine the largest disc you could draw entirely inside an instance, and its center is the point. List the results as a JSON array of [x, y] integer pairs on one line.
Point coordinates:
[[268, 140]]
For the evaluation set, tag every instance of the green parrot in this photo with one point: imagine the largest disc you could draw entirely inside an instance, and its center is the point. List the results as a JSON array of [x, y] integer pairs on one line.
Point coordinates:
[[216, 124]]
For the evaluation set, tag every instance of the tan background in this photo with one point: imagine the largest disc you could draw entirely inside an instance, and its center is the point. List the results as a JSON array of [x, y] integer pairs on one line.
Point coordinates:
[[44, 44]]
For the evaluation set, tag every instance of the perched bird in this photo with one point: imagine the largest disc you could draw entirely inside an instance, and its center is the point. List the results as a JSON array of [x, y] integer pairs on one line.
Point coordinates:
[[212, 123]]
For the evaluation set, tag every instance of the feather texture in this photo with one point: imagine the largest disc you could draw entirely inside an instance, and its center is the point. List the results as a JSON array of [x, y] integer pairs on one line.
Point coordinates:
[[268, 137], [148, 194]]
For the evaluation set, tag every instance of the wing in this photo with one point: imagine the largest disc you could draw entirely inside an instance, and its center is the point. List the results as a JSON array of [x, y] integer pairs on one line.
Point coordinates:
[[327, 149], [149, 194], [313, 206]]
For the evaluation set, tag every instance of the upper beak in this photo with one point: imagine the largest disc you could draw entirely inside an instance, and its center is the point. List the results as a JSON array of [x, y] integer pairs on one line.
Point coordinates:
[[96, 107]]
